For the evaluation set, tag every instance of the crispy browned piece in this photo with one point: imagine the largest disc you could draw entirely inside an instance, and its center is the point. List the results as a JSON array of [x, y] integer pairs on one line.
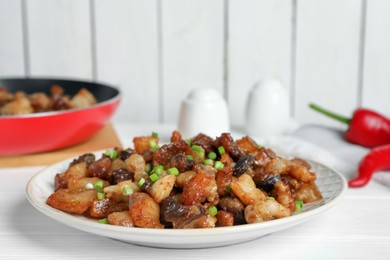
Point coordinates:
[[82, 99], [183, 216], [308, 193], [245, 189], [121, 218], [200, 188], [144, 211], [205, 141], [163, 155], [142, 143], [75, 171], [223, 179], [101, 208], [76, 203], [18, 106], [224, 219], [231, 147], [247, 145], [176, 137], [40, 102]]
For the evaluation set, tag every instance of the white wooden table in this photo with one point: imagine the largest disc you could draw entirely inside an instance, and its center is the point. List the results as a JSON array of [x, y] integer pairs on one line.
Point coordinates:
[[356, 228]]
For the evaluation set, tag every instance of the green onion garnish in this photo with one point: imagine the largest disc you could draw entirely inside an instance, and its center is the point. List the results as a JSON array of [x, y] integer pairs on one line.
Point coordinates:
[[189, 157], [158, 169], [153, 145], [141, 182], [221, 150], [228, 188], [103, 221], [259, 147], [154, 134], [112, 154], [208, 162], [126, 190], [148, 167], [99, 185], [101, 196], [213, 210], [270, 198], [154, 177], [298, 205], [173, 171], [212, 156], [218, 165], [197, 148], [188, 141]]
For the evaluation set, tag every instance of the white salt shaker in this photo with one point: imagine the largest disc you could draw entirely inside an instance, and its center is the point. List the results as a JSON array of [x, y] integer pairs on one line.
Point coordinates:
[[203, 111], [267, 109]]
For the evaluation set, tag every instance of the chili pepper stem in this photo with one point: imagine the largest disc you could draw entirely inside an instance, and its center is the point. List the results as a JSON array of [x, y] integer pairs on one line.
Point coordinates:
[[330, 114]]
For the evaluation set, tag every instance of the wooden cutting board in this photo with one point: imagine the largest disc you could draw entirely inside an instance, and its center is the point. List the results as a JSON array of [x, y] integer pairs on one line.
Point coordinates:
[[104, 139]]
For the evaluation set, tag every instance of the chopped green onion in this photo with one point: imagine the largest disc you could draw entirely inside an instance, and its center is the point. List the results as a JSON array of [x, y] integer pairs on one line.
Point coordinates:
[[201, 154], [154, 177], [259, 147], [221, 150], [228, 188], [189, 157], [103, 221], [148, 168], [270, 198], [157, 169], [218, 165], [112, 154], [126, 190], [298, 205], [154, 134], [208, 162], [141, 182], [197, 148], [213, 210], [189, 142], [99, 185], [212, 156], [173, 171], [101, 196], [153, 145]]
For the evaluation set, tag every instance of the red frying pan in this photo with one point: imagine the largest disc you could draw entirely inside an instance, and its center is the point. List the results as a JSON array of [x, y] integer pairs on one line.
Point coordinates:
[[46, 131]]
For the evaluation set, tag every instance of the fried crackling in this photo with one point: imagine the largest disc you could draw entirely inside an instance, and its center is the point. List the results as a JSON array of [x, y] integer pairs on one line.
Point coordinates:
[[121, 218], [70, 202], [245, 189], [264, 210], [144, 211], [162, 188], [83, 98]]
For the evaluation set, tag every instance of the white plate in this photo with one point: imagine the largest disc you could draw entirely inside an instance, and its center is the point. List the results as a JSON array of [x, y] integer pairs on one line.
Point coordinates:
[[331, 183]]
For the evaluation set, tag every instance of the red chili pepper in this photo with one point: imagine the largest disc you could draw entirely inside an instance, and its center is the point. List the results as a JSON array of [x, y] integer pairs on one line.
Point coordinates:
[[366, 127], [377, 159]]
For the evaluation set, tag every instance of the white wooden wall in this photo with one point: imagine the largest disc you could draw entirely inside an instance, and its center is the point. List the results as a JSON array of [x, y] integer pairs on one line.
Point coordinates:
[[332, 52]]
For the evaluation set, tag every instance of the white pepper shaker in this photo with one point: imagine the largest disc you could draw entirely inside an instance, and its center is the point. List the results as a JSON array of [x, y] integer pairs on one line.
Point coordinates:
[[204, 111], [267, 109]]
